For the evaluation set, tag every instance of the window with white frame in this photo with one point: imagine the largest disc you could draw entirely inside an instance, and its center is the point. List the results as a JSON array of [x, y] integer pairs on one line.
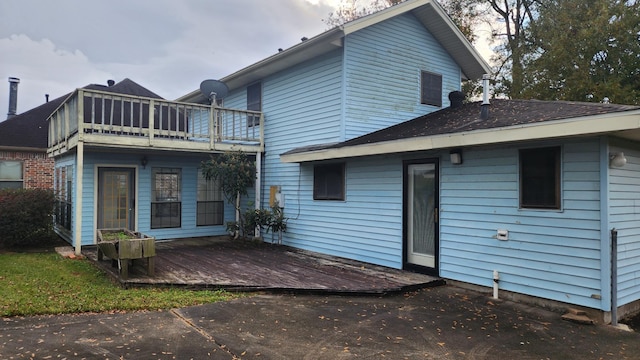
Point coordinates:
[[11, 174], [166, 198]]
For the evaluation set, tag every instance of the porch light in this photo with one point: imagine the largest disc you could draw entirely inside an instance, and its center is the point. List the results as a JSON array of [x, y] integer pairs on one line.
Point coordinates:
[[456, 156], [144, 161], [617, 159]]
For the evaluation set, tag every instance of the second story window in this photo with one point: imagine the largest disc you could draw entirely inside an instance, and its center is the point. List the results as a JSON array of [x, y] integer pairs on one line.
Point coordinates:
[[431, 89], [254, 102]]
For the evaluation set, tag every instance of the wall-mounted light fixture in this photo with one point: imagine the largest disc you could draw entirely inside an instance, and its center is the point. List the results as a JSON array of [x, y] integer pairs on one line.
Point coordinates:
[[617, 159], [144, 161], [455, 156]]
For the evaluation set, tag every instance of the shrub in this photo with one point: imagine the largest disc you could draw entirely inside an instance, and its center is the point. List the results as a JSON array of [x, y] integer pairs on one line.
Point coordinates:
[[26, 217]]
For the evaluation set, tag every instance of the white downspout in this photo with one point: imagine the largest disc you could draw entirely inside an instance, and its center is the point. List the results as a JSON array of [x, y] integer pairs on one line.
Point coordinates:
[[496, 280]]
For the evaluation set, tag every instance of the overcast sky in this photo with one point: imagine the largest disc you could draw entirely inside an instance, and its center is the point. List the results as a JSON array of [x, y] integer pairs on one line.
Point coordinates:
[[167, 46]]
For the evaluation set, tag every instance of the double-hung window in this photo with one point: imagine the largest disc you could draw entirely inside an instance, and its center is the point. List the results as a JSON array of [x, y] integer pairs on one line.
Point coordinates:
[[328, 182], [540, 178], [166, 198], [254, 102], [11, 174], [431, 89], [210, 202]]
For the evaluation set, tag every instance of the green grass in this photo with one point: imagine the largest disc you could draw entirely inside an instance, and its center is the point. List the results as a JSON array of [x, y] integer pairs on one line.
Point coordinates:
[[46, 283]]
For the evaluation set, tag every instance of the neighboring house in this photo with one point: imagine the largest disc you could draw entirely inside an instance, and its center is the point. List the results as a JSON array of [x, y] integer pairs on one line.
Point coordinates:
[[24, 163]]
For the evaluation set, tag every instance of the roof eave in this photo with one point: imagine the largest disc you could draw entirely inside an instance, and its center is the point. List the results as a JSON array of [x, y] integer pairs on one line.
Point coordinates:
[[589, 125]]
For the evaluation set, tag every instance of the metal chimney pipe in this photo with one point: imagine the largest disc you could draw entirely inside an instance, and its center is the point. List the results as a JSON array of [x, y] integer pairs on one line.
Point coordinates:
[[13, 97], [484, 108]]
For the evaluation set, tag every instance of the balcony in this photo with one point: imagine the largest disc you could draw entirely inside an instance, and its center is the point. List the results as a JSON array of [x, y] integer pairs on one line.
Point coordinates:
[[104, 119]]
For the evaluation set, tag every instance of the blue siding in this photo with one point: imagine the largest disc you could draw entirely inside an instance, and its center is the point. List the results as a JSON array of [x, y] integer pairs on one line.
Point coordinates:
[[189, 165], [549, 254], [624, 202], [367, 226], [383, 64]]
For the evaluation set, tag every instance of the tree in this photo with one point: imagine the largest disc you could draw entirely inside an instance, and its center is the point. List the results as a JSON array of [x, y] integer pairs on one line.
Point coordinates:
[[516, 17], [586, 50], [349, 10], [235, 173]]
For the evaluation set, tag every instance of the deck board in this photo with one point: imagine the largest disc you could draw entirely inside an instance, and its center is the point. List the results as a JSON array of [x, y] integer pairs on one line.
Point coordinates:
[[215, 262]]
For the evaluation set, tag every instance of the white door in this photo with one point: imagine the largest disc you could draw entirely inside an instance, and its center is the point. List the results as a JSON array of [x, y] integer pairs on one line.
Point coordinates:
[[421, 214]]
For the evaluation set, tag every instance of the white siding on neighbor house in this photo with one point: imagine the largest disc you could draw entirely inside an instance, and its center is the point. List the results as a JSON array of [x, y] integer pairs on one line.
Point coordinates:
[[624, 204], [383, 65], [367, 226], [189, 166], [549, 254]]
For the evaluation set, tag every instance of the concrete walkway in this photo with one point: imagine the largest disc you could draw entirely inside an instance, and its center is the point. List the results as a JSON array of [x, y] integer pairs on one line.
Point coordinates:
[[436, 323]]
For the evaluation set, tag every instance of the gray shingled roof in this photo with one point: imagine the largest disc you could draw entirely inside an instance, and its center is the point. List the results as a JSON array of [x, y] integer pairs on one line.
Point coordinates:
[[30, 129], [502, 113]]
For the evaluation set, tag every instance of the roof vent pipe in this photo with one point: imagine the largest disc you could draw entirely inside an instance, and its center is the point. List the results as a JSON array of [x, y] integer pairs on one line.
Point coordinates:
[[456, 98], [110, 82], [13, 97], [46, 97], [484, 108]]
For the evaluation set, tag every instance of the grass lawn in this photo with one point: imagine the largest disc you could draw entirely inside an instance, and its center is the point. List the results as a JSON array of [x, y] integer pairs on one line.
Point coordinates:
[[47, 283]]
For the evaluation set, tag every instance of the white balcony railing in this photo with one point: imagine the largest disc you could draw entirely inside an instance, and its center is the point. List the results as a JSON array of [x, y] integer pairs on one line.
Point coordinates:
[[106, 118]]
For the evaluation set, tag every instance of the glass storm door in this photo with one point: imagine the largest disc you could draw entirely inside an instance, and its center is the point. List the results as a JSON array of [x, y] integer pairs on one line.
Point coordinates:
[[116, 198], [421, 215]]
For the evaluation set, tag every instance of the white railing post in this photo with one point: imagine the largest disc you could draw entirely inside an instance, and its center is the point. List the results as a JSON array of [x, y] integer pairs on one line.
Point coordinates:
[[213, 125], [80, 114], [151, 116]]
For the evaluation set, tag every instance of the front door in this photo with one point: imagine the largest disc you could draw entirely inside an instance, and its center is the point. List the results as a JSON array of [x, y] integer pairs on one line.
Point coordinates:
[[116, 198], [421, 216]]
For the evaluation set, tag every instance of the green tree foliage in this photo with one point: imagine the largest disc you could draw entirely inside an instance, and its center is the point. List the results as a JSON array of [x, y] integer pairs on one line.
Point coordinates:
[[236, 174], [586, 50], [26, 217], [512, 33], [234, 171]]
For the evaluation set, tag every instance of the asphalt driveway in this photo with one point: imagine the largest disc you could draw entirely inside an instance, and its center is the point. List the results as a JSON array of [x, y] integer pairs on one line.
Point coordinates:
[[437, 323]]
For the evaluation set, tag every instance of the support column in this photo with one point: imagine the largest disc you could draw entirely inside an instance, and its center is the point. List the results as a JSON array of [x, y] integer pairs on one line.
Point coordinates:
[[77, 201], [258, 186]]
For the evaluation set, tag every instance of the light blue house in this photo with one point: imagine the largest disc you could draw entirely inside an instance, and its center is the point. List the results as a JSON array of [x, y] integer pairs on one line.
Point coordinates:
[[355, 132]]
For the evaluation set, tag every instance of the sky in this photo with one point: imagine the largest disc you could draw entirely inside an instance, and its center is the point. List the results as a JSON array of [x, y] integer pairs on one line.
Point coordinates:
[[167, 46]]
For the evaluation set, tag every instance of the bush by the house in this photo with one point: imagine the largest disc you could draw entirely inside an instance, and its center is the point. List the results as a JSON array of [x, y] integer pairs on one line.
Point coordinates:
[[26, 217]]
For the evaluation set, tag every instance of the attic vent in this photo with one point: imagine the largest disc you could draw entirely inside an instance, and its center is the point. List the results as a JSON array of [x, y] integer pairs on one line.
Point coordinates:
[[456, 98], [111, 82]]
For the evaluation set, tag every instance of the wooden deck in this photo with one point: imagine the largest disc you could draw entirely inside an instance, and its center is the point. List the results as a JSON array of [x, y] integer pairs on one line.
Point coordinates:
[[239, 265]]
